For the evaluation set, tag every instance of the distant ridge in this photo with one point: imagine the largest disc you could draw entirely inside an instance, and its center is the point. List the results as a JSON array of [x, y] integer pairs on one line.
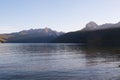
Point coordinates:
[[45, 35], [94, 26]]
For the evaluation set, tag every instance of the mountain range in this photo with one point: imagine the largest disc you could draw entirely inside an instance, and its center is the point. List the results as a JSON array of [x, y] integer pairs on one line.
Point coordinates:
[[45, 35], [91, 35], [94, 35]]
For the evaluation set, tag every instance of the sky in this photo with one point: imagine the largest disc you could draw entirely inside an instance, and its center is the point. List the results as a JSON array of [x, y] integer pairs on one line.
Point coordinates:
[[60, 15]]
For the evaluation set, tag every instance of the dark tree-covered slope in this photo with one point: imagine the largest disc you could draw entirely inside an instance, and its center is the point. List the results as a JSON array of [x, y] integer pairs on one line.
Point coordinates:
[[102, 37]]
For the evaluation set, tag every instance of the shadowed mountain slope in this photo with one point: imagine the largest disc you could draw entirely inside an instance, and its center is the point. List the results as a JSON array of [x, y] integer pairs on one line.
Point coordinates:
[[93, 37], [45, 35]]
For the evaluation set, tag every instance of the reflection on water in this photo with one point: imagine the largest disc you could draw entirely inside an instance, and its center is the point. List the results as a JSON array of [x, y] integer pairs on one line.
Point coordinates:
[[58, 62]]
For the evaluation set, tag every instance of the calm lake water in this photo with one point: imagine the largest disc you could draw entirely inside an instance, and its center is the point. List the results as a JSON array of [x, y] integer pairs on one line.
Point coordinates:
[[58, 62]]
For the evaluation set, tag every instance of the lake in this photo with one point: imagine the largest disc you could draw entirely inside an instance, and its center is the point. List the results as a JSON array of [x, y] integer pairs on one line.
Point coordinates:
[[58, 62]]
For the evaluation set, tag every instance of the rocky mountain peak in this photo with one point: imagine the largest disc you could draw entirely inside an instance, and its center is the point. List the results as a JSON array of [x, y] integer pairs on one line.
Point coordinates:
[[47, 30], [91, 25]]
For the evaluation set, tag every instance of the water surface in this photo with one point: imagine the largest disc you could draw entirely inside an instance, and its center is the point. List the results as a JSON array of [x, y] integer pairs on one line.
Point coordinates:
[[58, 62]]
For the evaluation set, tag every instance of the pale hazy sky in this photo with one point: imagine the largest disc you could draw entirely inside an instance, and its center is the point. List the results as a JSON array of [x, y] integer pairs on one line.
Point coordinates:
[[61, 15]]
